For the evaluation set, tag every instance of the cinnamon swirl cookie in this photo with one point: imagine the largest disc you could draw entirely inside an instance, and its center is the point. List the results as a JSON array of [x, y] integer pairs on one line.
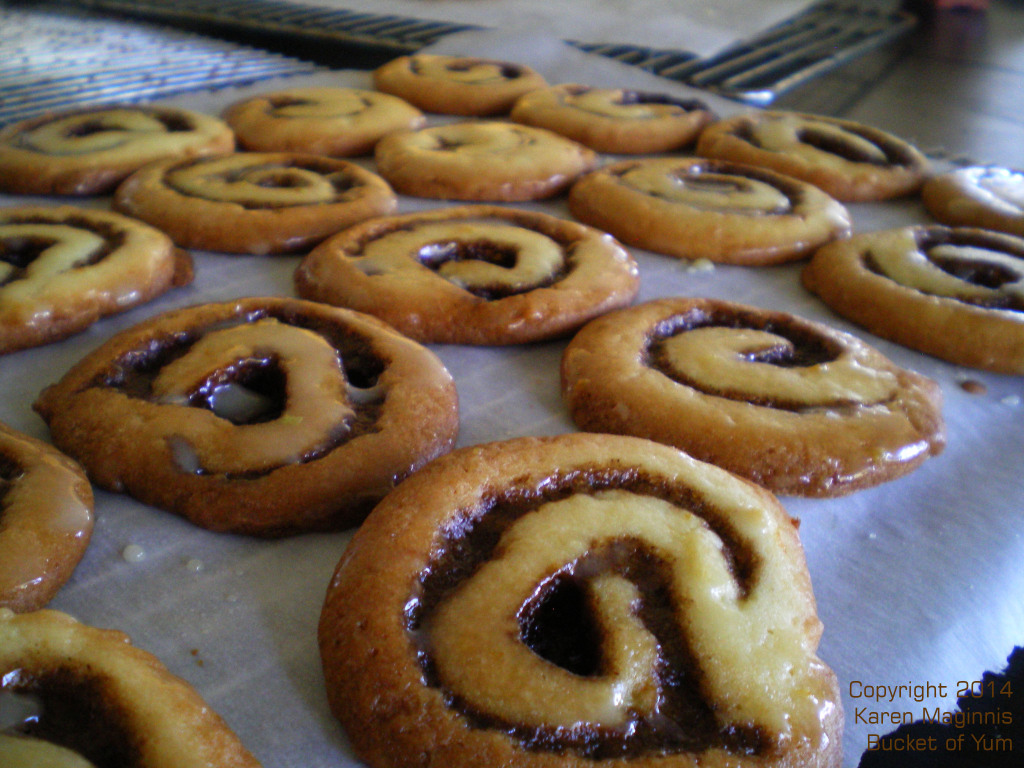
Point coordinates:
[[954, 293], [615, 120], [46, 520], [979, 196], [793, 405], [850, 161], [456, 85], [97, 700], [339, 122], [495, 161], [88, 152], [711, 209], [472, 274], [265, 416], [579, 601], [62, 268], [254, 202]]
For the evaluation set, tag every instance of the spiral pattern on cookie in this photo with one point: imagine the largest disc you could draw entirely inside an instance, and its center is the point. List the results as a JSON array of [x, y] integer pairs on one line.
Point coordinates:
[[771, 362], [482, 161], [794, 405], [466, 69], [967, 266], [848, 160], [694, 208], [238, 403], [629, 598], [255, 181], [90, 151], [472, 274], [63, 267]]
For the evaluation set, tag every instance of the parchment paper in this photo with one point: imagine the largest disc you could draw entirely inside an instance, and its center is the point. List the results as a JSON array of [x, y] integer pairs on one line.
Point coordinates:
[[918, 581]]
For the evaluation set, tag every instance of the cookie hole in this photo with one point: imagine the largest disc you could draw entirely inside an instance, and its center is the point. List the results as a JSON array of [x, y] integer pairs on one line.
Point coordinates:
[[436, 254], [250, 392], [985, 274], [86, 128], [77, 712], [19, 252], [629, 98], [175, 123], [557, 625]]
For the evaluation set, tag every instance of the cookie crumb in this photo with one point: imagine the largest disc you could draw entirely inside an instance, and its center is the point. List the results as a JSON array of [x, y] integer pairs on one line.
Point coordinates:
[[973, 387]]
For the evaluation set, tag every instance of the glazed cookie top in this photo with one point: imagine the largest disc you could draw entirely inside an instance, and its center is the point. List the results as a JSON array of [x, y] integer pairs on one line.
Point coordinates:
[[614, 120], [457, 85], [472, 274], [89, 152], [265, 416], [979, 196], [793, 405], [607, 576], [340, 122], [254, 202], [850, 161], [956, 293], [46, 520], [102, 701], [493, 161], [62, 268], [695, 208]]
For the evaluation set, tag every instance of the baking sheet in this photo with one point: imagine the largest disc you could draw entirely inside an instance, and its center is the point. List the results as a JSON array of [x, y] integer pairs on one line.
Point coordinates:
[[918, 581]]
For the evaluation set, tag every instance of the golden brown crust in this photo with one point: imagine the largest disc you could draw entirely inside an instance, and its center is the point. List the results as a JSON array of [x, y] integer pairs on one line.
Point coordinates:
[[848, 160], [954, 293], [89, 152], [472, 274], [709, 209], [793, 405], [46, 520], [254, 202], [492, 162], [265, 416], [614, 120], [988, 197], [338, 122], [482, 538], [68, 267], [457, 85], [111, 697]]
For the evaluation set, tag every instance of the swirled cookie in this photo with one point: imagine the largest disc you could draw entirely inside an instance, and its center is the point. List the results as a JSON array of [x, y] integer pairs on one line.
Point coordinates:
[[339, 122], [495, 161], [693, 208], [850, 161], [254, 202], [979, 196], [265, 416], [46, 520], [101, 701], [793, 405], [472, 274], [615, 120], [954, 293], [62, 268], [89, 152], [457, 85], [579, 601]]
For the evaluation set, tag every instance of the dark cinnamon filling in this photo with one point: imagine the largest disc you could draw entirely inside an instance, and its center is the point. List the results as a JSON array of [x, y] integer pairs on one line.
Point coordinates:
[[20, 252], [280, 176], [630, 97], [807, 348], [508, 71], [262, 376], [80, 713], [559, 625], [987, 274], [505, 256]]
